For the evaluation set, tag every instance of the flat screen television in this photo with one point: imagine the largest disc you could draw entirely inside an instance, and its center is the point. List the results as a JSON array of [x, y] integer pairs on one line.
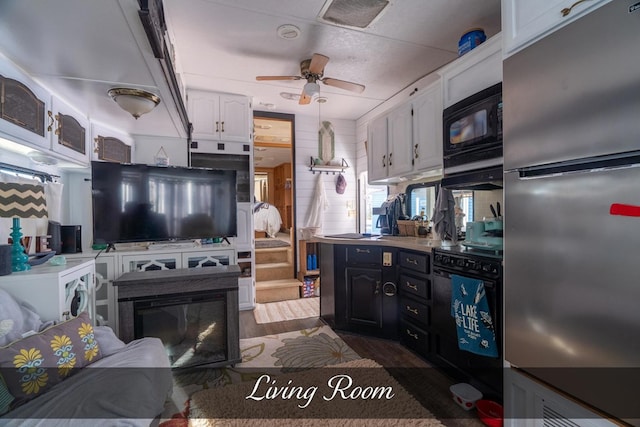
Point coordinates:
[[143, 203]]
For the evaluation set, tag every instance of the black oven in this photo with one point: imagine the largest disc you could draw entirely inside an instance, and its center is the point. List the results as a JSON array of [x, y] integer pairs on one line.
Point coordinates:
[[484, 373], [472, 132]]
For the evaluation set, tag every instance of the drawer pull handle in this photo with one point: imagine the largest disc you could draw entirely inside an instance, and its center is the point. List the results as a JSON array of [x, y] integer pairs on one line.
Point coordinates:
[[412, 286], [363, 251], [567, 10], [384, 161], [217, 126], [377, 291], [414, 336], [412, 261], [412, 310]]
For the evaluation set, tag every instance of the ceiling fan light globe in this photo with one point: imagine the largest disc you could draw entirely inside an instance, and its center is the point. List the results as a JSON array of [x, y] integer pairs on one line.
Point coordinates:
[[312, 89]]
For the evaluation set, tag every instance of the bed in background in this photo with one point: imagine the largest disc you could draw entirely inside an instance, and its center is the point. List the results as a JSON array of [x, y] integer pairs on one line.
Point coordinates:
[[266, 218]]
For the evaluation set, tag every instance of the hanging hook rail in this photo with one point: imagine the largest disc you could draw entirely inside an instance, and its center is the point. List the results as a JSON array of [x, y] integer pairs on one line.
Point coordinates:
[[328, 168]]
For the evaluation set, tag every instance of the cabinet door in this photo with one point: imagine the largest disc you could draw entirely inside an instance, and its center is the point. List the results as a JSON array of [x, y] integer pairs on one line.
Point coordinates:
[[23, 107], [70, 132], [150, 261], [208, 258], [472, 72], [204, 112], [377, 149], [235, 123], [427, 129], [244, 239], [399, 149], [110, 145], [525, 21], [364, 297]]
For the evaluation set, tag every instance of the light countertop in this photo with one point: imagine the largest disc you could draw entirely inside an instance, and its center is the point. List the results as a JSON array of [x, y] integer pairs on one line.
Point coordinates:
[[424, 244]]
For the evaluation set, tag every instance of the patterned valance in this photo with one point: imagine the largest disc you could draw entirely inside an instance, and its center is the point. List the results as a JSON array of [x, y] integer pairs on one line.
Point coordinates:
[[22, 200]]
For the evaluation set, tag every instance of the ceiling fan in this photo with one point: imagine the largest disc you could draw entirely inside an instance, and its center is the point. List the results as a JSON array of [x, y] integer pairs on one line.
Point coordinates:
[[312, 71]]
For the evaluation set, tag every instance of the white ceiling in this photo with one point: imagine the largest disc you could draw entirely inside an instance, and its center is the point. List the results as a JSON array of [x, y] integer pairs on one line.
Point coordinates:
[[81, 48]]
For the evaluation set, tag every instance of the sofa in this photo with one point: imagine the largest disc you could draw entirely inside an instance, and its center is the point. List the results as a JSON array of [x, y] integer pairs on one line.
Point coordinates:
[[74, 374]]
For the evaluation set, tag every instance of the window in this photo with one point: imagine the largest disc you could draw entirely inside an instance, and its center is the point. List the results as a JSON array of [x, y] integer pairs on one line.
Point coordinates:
[[421, 199], [371, 197]]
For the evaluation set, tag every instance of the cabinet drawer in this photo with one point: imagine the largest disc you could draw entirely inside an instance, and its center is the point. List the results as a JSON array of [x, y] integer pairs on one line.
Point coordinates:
[[364, 255], [414, 261], [414, 337], [415, 286], [415, 310]]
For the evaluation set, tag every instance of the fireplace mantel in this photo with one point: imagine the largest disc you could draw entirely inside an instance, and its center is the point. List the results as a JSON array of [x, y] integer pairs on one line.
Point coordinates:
[[159, 284]]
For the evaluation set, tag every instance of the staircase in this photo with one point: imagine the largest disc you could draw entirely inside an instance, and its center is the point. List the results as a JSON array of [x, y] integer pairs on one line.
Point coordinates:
[[275, 276]]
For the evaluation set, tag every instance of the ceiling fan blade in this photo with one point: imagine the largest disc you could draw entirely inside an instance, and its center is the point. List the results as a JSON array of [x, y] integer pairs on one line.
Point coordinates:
[[317, 63], [260, 78], [304, 99], [354, 87]]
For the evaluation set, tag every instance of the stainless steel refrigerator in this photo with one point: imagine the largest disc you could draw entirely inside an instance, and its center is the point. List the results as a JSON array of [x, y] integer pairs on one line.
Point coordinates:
[[572, 193]]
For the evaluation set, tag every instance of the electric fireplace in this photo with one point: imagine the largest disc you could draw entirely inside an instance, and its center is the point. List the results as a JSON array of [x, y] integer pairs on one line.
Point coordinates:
[[194, 312]]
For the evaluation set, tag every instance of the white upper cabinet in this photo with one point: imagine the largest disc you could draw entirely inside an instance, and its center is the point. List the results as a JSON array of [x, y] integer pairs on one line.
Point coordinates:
[[377, 162], [69, 131], [219, 117], [111, 145], [406, 142], [427, 129], [23, 108], [399, 152], [525, 21], [473, 71]]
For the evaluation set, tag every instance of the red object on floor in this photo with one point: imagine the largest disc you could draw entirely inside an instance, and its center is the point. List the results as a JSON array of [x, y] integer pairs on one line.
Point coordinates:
[[181, 419], [490, 412]]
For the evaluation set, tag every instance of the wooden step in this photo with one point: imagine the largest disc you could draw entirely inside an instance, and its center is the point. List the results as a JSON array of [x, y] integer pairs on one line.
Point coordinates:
[[274, 271], [273, 255], [277, 290]]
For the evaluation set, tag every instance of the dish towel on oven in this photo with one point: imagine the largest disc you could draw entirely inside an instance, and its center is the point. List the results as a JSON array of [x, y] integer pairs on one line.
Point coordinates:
[[470, 309]]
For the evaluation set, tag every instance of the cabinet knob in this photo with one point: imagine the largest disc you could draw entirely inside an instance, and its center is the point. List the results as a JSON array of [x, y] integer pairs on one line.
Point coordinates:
[[412, 286], [412, 310], [414, 336]]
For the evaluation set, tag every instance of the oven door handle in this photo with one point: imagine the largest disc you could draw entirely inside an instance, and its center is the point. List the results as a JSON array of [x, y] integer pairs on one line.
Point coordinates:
[[488, 283]]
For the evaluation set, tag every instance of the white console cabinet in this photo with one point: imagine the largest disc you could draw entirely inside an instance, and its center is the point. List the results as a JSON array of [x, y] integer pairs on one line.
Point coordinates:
[[51, 290], [111, 265]]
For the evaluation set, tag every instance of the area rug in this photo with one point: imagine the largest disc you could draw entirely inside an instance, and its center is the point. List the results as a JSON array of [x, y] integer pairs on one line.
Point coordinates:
[[270, 354], [280, 311], [269, 243], [355, 393]]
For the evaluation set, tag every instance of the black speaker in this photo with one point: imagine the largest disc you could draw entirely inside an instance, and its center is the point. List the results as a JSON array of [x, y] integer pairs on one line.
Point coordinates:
[[55, 241], [71, 238]]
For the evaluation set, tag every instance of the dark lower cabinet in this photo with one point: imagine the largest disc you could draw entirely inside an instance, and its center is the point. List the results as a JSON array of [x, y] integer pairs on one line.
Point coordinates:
[[364, 297], [359, 291], [414, 283]]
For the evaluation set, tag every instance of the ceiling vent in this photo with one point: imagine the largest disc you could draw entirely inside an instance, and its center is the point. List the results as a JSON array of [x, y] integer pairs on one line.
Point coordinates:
[[352, 13]]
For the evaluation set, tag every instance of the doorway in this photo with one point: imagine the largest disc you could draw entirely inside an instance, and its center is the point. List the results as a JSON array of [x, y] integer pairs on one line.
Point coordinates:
[[274, 195]]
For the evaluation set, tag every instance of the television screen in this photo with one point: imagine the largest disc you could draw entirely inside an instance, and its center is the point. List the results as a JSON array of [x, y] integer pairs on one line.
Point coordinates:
[[140, 203]]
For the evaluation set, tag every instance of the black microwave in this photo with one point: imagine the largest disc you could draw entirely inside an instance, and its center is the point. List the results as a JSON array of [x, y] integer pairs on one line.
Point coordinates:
[[472, 131]]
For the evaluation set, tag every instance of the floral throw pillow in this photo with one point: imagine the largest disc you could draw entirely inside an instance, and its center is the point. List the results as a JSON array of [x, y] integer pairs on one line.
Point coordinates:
[[34, 364]]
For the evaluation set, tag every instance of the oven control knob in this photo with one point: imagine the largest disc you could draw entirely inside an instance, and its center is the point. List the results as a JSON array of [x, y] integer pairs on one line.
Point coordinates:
[[437, 258], [460, 263], [445, 260], [486, 267]]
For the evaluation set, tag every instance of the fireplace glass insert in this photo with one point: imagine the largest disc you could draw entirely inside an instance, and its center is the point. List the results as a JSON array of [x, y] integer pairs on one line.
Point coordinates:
[[192, 327]]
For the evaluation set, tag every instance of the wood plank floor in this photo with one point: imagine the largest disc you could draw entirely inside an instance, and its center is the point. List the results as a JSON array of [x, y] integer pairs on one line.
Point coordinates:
[[428, 385]]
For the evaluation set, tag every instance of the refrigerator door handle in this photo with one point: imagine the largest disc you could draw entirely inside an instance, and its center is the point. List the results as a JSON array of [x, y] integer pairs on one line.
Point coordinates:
[[588, 165]]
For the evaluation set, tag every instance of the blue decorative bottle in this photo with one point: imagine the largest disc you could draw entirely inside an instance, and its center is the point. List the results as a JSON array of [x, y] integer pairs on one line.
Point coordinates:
[[18, 257]]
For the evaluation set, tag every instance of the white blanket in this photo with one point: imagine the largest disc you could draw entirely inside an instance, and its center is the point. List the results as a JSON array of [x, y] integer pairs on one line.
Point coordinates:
[[267, 218]]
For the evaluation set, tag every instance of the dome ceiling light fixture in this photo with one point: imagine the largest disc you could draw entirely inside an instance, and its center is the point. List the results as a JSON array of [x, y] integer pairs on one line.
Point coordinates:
[[134, 101], [288, 32]]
